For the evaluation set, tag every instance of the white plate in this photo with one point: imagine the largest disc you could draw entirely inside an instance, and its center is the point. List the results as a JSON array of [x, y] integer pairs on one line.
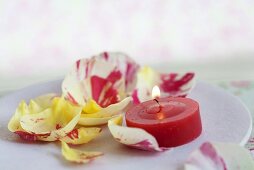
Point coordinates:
[[224, 119]]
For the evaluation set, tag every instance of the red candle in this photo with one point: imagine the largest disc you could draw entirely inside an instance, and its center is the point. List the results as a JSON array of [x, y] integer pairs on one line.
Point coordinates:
[[173, 121]]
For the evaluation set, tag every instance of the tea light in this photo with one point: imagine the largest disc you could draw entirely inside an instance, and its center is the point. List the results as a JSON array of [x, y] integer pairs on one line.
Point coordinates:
[[173, 121]]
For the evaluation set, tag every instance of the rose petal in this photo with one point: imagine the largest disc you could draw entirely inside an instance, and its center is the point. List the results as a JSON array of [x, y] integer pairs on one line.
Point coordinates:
[[78, 156], [127, 67], [45, 101], [36, 105], [94, 79], [105, 114], [220, 156], [81, 135], [172, 84], [132, 137], [53, 123]]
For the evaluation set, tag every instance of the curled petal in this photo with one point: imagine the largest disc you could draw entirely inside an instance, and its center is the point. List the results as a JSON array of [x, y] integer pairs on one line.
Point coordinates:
[[220, 156], [132, 137], [94, 79], [127, 66], [104, 114], [53, 123], [14, 123], [172, 84], [45, 101], [81, 135], [36, 105], [78, 156]]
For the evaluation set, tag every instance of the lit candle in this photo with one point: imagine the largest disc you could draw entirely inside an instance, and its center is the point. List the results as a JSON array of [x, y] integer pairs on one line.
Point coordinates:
[[173, 121]]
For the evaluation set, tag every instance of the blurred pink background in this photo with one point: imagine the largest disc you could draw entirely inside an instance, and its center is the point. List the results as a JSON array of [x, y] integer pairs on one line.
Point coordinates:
[[39, 40]]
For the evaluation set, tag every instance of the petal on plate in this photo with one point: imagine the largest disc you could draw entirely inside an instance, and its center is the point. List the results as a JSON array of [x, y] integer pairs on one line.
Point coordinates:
[[132, 137], [220, 156], [127, 66], [36, 105], [81, 135], [78, 156], [172, 84], [94, 79], [14, 123], [52, 123], [45, 101], [104, 114]]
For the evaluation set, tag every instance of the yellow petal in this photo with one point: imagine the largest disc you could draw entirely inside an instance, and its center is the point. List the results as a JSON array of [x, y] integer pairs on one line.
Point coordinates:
[[104, 114], [56, 121], [36, 105], [91, 107], [78, 156], [81, 135], [89, 121], [14, 123]]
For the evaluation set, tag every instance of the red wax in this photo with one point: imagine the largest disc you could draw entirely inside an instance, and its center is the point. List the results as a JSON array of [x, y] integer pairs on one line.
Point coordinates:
[[173, 121]]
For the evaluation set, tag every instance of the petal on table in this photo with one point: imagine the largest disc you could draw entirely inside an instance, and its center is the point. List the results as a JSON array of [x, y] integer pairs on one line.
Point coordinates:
[[220, 156], [132, 137], [170, 84], [81, 135], [94, 79], [52, 123], [127, 66], [104, 114], [78, 156]]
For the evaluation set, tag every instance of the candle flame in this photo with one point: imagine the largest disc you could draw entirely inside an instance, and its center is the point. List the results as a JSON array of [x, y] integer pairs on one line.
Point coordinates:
[[156, 92]]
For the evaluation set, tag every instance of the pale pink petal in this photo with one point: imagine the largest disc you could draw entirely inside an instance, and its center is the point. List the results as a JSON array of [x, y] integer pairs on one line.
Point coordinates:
[[220, 156]]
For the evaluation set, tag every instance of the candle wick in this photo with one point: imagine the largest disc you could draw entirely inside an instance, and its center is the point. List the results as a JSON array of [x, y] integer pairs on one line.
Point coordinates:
[[158, 104]]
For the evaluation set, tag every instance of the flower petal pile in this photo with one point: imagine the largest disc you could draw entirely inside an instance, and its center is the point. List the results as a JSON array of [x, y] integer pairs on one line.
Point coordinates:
[[100, 84], [50, 118]]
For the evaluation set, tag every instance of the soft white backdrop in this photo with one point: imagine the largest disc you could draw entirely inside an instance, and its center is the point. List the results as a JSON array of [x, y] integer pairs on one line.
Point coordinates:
[[39, 40]]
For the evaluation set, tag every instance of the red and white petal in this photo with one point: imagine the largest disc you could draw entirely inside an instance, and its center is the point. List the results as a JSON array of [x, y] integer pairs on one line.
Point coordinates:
[[127, 66], [132, 137], [93, 79], [220, 156], [105, 92], [175, 84], [172, 84]]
